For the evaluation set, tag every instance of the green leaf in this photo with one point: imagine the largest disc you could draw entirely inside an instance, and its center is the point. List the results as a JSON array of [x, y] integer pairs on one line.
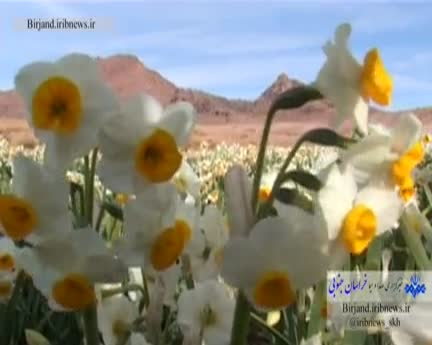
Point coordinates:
[[327, 137], [291, 196], [304, 179], [77, 199], [295, 98], [113, 210]]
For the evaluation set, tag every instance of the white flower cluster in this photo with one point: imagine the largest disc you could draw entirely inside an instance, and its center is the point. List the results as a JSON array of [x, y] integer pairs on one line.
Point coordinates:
[[176, 255]]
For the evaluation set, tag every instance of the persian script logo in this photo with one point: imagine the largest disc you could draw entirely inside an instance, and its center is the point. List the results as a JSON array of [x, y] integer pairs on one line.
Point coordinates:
[[415, 288]]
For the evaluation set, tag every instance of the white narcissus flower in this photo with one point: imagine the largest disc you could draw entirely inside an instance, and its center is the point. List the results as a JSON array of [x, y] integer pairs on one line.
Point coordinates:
[[65, 269], [140, 145], [169, 282], [8, 260], [208, 312], [187, 181], [266, 185], [391, 153], [9, 265], [238, 196], [158, 227], [66, 102], [350, 85], [280, 255], [115, 317], [30, 212], [352, 217], [207, 246]]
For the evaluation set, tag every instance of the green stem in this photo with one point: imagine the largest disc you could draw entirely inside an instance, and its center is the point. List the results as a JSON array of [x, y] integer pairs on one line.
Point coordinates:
[[86, 186], [280, 176], [90, 169], [315, 319], [146, 296], [91, 331], [278, 335], [260, 158], [242, 316], [415, 245], [186, 268], [373, 256]]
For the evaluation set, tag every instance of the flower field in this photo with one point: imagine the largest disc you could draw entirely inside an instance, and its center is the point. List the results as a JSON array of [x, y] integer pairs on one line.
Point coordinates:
[[113, 232]]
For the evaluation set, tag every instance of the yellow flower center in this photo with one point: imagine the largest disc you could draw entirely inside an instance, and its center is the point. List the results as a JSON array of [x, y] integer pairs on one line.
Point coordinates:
[[74, 292], [57, 106], [407, 189], [122, 199], [358, 229], [218, 257], [119, 328], [157, 157], [208, 317], [274, 291], [7, 263], [264, 194], [181, 184], [5, 288], [403, 167], [17, 216], [376, 83], [169, 245], [324, 311]]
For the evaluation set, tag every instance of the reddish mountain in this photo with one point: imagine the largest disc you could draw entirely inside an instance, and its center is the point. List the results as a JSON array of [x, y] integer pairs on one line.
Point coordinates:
[[219, 118]]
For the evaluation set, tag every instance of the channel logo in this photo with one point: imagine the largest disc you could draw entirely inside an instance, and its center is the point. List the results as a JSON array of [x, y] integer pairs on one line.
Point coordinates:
[[414, 287]]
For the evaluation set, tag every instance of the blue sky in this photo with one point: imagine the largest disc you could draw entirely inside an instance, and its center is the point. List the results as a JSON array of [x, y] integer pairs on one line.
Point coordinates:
[[232, 48]]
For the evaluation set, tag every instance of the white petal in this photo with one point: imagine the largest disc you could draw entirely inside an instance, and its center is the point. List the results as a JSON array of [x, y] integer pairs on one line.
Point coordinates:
[[361, 115], [118, 174], [217, 335], [238, 200], [293, 244], [179, 119], [213, 224], [191, 180], [138, 339], [124, 130], [406, 133], [30, 77], [190, 305], [79, 66], [51, 208], [401, 338], [385, 203], [242, 261], [338, 255], [336, 197], [368, 155], [342, 34], [151, 110]]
